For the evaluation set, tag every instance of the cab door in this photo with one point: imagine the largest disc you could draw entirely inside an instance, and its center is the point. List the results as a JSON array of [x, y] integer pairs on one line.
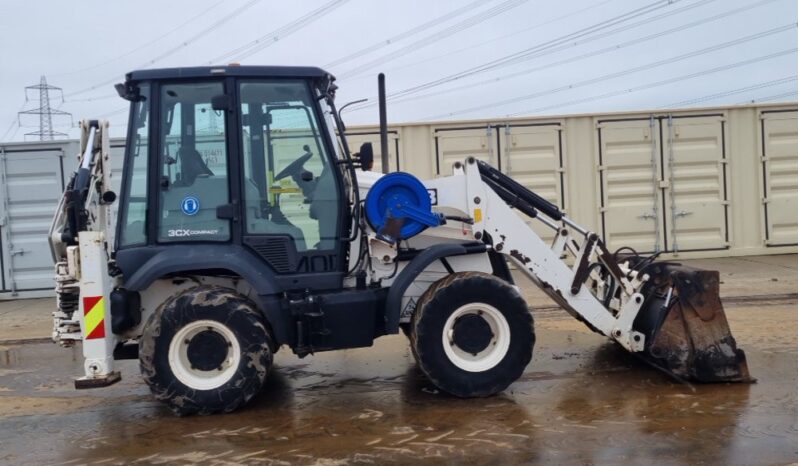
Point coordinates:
[[292, 197], [193, 174]]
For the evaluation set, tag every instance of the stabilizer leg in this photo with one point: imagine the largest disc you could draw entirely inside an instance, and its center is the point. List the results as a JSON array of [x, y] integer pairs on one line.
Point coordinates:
[[95, 320]]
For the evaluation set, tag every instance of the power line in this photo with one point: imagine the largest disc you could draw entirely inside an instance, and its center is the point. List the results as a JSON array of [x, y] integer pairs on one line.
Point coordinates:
[[92, 99], [453, 29], [591, 54], [185, 43], [15, 132], [10, 127], [142, 46], [113, 112], [495, 39], [628, 71], [537, 49], [408, 33], [589, 33], [773, 97], [13, 122], [255, 46], [660, 83], [202, 34], [740, 90]]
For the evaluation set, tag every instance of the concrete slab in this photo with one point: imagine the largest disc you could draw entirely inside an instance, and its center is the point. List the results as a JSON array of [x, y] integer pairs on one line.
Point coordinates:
[[26, 319]]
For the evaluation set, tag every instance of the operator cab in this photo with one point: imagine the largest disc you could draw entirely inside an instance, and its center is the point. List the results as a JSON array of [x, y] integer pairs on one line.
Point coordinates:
[[238, 156]]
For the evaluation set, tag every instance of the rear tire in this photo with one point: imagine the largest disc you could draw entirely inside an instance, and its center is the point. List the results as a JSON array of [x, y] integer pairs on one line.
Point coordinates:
[[472, 334], [205, 350]]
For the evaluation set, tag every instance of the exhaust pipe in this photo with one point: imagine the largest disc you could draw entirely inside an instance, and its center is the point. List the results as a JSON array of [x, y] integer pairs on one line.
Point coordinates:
[[383, 123]]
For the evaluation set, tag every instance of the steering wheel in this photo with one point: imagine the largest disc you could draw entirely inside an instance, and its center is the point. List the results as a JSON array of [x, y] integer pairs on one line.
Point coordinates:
[[295, 167]]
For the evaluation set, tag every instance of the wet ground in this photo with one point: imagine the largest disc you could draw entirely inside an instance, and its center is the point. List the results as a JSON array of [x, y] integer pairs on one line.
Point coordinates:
[[581, 401]]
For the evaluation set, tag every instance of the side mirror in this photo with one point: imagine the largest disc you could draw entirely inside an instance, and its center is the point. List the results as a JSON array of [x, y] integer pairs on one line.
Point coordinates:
[[128, 91], [366, 156], [222, 102]]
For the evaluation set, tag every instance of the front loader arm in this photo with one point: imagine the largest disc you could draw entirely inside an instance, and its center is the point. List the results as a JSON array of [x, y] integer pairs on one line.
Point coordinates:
[[668, 314], [544, 264]]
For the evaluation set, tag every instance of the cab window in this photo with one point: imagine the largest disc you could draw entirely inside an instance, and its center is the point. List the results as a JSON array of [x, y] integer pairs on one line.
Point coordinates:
[[193, 158], [133, 223], [289, 183]]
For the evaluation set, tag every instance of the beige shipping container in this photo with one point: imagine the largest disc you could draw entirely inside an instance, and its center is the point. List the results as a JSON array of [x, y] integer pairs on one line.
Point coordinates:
[[706, 182], [780, 177], [630, 196], [357, 138], [454, 144], [530, 153]]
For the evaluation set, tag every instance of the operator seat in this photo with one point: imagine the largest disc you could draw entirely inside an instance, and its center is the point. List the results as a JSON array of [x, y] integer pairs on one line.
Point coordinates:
[[324, 208], [191, 166]]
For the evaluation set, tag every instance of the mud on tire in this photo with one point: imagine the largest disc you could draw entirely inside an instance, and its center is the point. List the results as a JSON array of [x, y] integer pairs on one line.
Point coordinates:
[[472, 334], [205, 350]]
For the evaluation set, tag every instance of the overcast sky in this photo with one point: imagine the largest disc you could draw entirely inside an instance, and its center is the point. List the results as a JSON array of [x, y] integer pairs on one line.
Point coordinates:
[[444, 59]]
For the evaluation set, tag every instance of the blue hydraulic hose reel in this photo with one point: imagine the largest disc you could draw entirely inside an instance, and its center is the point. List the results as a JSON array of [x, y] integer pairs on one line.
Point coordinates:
[[398, 207]]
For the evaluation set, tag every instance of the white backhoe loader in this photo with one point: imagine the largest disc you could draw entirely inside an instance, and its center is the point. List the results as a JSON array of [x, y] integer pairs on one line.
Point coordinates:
[[244, 226]]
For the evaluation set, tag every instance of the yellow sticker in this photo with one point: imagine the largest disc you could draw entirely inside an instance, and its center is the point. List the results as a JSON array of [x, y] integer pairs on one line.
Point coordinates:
[[477, 215]]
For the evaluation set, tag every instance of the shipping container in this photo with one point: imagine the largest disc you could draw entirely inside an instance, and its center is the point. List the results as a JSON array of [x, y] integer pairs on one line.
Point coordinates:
[[707, 182]]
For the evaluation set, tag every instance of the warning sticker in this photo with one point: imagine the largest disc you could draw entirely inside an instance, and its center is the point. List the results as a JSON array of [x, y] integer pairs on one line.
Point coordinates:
[[408, 310]]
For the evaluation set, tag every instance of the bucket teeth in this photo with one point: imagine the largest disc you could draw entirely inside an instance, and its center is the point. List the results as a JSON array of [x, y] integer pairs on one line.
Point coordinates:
[[687, 333]]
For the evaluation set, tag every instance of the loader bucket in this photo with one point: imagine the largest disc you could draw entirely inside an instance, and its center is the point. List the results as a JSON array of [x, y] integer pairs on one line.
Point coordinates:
[[687, 334]]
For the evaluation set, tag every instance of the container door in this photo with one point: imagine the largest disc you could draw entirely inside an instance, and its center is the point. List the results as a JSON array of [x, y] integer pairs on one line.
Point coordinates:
[[780, 167], [629, 177], [356, 139], [695, 185], [532, 155], [455, 145], [32, 184]]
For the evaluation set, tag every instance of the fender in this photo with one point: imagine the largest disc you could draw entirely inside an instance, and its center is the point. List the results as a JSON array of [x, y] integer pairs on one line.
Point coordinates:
[[414, 268], [142, 266]]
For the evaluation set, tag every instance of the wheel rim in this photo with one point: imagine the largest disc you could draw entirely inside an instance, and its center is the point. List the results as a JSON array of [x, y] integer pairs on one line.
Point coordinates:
[[213, 338], [493, 351]]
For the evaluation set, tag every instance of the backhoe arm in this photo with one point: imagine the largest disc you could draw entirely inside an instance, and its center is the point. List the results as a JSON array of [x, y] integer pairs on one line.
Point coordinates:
[[81, 240]]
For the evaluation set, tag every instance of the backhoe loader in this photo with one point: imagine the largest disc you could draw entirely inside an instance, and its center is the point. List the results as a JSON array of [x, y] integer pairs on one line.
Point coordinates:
[[245, 225]]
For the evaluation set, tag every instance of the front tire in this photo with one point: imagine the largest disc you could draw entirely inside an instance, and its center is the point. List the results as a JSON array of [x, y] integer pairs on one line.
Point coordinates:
[[205, 350], [472, 334]]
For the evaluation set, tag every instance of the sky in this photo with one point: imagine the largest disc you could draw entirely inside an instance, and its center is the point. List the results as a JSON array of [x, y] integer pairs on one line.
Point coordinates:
[[443, 59]]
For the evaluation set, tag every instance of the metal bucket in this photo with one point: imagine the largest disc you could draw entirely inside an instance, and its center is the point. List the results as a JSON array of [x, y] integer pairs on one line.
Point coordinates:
[[687, 334]]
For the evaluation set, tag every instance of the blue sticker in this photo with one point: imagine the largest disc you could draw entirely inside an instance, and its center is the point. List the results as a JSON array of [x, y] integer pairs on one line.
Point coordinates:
[[190, 205]]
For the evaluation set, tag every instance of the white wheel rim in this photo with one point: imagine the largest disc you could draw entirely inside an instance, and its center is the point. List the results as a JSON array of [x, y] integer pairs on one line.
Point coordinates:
[[497, 348], [193, 377]]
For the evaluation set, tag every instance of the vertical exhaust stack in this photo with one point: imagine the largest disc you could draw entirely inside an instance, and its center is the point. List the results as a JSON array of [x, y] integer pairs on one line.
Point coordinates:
[[383, 123]]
